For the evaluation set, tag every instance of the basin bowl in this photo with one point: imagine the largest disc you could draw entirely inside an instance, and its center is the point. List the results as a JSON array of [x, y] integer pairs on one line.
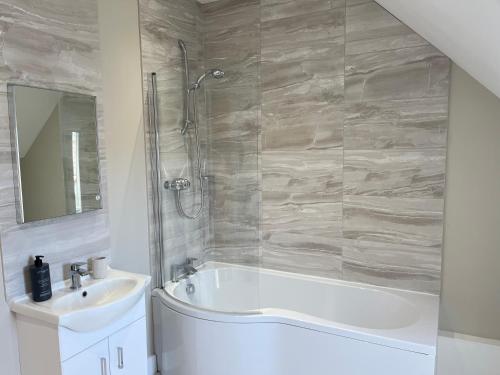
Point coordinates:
[[93, 306]]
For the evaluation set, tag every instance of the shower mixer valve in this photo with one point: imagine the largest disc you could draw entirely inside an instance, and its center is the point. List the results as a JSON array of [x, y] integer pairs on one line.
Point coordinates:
[[177, 184]]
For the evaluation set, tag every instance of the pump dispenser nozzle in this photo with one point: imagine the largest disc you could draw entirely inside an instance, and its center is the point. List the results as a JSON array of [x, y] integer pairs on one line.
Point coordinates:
[[38, 260]]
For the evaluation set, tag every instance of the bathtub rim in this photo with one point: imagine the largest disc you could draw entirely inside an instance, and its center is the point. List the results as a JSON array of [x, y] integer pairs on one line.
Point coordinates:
[[395, 338]]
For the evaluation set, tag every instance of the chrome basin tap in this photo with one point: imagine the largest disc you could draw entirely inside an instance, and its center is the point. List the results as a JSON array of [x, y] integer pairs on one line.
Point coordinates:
[[76, 272], [180, 271]]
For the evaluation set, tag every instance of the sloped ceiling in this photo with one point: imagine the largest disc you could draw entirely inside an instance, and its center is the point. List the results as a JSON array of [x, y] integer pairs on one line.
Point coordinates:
[[467, 31]]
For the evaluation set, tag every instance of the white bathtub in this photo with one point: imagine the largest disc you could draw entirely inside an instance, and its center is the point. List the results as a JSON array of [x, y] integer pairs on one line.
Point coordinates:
[[252, 321]]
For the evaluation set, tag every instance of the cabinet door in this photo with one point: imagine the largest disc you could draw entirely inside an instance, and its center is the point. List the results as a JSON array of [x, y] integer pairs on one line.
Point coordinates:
[[92, 361], [128, 350]]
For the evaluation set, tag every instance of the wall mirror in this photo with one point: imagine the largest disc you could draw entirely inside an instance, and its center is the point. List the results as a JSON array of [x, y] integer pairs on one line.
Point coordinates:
[[56, 163]]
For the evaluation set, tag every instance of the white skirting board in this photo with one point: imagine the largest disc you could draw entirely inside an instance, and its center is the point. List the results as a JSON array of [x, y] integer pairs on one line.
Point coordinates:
[[459, 354], [152, 365]]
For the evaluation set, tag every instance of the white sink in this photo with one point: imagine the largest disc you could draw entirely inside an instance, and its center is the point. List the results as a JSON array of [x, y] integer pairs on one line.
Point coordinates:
[[96, 304]]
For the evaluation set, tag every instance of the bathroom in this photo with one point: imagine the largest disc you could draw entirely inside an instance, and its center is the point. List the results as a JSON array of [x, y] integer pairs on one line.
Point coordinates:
[[278, 187]]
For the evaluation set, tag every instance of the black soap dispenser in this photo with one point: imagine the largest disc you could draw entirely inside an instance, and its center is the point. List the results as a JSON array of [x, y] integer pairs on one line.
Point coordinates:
[[40, 280]]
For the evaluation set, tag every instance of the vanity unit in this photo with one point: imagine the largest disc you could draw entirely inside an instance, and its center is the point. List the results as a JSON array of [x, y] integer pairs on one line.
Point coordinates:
[[99, 329]]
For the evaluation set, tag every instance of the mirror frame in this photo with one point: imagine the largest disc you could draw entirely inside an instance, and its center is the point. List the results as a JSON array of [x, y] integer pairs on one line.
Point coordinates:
[[16, 161]]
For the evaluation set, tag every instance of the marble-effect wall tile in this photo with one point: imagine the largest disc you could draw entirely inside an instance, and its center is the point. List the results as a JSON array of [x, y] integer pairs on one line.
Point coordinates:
[[326, 140], [316, 173], [303, 116], [302, 207], [302, 79], [302, 99], [162, 24], [405, 73], [394, 220], [396, 124], [317, 263], [277, 9], [371, 28], [395, 136], [395, 173], [398, 266], [232, 42], [55, 45]]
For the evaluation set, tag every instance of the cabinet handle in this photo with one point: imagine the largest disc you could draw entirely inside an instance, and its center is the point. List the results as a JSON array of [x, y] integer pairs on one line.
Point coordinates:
[[120, 357], [104, 367]]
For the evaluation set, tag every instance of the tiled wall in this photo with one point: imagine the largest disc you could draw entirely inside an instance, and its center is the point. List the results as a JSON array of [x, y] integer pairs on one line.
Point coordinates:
[[346, 110], [326, 140], [162, 23], [231, 40], [302, 118], [394, 152], [52, 44]]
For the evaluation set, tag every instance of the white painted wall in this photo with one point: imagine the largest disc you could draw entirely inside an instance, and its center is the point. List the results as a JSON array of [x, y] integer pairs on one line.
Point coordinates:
[[125, 147], [123, 120], [9, 356], [466, 31], [467, 355], [470, 302]]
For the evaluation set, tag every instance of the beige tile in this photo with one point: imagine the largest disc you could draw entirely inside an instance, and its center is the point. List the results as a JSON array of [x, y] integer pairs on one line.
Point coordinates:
[[396, 124], [322, 28], [250, 256], [303, 261], [278, 9], [395, 173], [229, 100], [371, 28], [397, 266], [230, 15], [307, 172], [303, 116], [301, 201], [406, 73], [417, 222]]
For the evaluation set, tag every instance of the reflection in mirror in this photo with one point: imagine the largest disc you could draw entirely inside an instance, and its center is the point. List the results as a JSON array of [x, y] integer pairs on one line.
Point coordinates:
[[55, 138]]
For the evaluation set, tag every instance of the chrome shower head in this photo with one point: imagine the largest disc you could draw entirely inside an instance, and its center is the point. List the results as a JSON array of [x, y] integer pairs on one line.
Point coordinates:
[[213, 73], [217, 73]]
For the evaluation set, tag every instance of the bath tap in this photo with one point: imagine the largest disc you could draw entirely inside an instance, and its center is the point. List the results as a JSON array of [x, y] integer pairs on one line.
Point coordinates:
[[180, 271]]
